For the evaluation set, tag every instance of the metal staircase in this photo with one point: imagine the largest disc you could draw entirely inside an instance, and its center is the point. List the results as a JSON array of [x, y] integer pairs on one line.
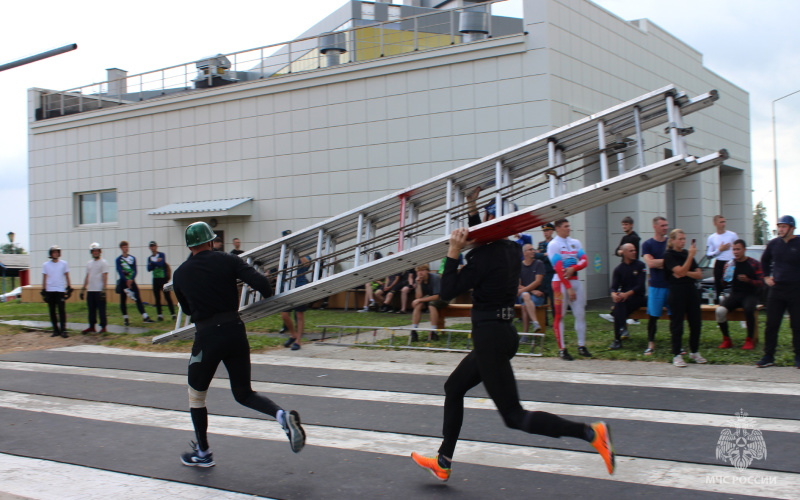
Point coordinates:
[[430, 210]]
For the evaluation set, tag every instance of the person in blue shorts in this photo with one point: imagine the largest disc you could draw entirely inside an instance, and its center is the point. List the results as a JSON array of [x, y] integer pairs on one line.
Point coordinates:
[[529, 293], [653, 255]]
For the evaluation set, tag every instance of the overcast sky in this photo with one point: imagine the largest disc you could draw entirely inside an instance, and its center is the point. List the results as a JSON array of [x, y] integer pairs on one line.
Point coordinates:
[[752, 44]]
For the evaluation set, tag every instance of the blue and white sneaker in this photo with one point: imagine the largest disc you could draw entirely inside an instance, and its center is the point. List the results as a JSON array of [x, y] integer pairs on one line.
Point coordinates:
[[294, 431], [193, 458]]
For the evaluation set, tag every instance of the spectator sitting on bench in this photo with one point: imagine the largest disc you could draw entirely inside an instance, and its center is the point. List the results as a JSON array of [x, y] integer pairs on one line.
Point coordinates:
[[408, 282], [530, 281], [627, 291], [745, 275], [428, 287], [385, 293]]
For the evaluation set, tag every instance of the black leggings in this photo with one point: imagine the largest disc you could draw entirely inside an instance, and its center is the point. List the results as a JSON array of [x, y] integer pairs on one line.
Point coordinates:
[[55, 300], [226, 342], [158, 288], [622, 310], [123, 297], [684, 302], [719, 283], [748, 302], [783, 297], [489, 362]]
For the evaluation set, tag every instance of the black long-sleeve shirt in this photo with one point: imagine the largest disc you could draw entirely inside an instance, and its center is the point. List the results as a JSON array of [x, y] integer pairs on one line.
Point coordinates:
[[781, 260], [629, 277], [205, 285], [632, 238], [492, 272]]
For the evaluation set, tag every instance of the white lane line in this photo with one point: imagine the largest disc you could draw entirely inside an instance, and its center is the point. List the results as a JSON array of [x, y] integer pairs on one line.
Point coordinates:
[[630, 470], [46, 480], [659, 416], [651, 381]]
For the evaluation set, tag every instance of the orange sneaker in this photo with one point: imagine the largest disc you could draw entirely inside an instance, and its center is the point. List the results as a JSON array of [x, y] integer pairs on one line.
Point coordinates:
[[431, 464], [748, 344], [602, 443]]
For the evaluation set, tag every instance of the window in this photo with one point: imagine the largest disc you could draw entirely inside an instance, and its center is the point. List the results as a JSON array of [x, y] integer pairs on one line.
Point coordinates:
[[97, 208]]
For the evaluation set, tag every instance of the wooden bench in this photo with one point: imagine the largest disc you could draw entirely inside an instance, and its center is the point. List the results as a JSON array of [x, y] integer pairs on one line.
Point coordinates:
[[707, 313], [464, 310]]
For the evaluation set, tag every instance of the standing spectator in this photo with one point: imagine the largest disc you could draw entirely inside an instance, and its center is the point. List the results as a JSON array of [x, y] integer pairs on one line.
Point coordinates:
[[627, 290], [630, 236], [541, 254], [746, 280], [237, 243], [522, 239], [568, 258], [657, 298], [157, 264], [529, 294], [56, 289], [296, 334], [94, 286], [428, 287], [126, 285], [719, 245], [218, 245], [781, 264], [682, 273]]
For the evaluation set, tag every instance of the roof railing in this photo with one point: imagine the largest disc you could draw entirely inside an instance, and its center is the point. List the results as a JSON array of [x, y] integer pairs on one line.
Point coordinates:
[[350, 44]]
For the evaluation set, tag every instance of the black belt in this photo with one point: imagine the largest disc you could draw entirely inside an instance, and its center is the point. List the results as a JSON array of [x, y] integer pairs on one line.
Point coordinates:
[[218, 319], [498, 314]]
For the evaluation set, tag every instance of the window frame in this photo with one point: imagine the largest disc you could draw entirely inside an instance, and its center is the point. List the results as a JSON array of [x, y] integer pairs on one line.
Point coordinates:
[[98, 207]]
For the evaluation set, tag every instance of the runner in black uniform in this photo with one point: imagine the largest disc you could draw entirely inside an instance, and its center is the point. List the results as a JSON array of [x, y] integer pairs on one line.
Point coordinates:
[[492, 272], [205, 286]]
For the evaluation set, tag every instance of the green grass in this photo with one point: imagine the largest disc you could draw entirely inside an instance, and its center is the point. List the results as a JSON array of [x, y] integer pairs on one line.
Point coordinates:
[[599, 333]]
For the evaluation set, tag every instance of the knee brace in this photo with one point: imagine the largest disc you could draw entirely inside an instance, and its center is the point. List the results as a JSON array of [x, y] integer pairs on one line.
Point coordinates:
[[197, 399], [722, 314]]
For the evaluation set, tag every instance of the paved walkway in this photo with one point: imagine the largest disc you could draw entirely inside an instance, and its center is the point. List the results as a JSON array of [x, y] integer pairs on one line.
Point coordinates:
[[46, 325]]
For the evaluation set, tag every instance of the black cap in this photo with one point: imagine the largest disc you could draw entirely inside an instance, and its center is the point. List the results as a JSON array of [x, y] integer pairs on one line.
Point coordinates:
[[152, 243], [549, 225]]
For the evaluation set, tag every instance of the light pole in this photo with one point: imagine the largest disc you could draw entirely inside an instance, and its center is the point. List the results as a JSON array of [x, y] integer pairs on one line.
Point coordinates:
[[775, 150]]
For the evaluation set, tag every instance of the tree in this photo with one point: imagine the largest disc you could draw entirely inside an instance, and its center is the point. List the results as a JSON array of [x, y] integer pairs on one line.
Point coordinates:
[[760, 225], [11, 248]]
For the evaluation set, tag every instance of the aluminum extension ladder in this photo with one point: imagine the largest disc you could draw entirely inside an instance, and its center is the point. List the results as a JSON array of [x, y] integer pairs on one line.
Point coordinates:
[[433, 208]]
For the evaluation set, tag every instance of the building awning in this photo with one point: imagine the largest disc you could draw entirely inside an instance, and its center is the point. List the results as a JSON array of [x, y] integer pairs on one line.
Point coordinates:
[[13, 263], [210, 208]]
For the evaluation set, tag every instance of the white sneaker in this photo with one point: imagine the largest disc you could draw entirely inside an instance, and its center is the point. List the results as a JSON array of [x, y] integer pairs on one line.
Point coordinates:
[[366, 309], [743, 324], [678, 361], [632, 321], [607, 317], [536, 326], [697, 358]]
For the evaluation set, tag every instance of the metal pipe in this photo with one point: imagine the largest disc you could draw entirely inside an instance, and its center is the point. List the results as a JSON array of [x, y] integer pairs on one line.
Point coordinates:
[[358, 238], [448, 204], [775, 150], [498, 180], [281, 267], [601, 142], [551, 165], [621, 162], [38, 57], [673, 128], [401, 234], [317, 266], [637, 119], [562, 184]]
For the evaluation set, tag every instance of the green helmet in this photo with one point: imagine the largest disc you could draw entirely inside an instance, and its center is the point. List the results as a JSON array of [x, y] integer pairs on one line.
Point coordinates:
[[198, 233]]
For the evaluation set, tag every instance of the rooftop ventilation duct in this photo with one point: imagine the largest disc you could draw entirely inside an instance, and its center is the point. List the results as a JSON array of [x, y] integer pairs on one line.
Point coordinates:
[[213, 71], [332, 46], [117, 81], [473, 22]]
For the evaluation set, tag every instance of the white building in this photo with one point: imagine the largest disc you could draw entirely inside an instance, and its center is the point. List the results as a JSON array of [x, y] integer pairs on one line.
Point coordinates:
[[361, 114]]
